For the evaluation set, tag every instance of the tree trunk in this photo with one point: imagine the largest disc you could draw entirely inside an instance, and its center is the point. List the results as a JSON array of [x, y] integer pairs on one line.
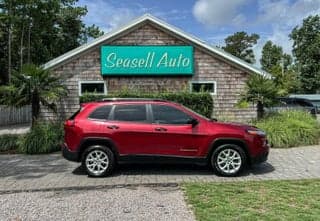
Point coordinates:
[[260, 110], [21, 47], [29, 38], [35, 106], [9, 53]]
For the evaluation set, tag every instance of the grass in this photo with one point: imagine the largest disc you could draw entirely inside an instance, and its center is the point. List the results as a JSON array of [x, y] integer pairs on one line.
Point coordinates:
[[290, 129], [9, 143], [268, 200]]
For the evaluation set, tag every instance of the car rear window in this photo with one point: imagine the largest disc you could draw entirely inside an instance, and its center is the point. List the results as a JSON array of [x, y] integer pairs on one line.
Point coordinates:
[[101, 113]]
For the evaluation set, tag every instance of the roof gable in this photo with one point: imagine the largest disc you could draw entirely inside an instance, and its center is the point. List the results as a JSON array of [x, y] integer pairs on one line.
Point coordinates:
[[164, 26]]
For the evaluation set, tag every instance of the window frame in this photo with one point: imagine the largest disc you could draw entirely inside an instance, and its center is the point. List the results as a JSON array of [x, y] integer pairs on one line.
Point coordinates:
[[204, 82], [93, 82]]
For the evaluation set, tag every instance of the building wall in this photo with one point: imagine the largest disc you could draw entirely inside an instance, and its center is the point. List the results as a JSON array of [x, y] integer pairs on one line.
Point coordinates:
[[230, 80]]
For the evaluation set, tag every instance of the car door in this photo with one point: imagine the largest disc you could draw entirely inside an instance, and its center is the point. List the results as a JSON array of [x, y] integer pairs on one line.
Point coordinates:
[[130, 128], [173, 133]]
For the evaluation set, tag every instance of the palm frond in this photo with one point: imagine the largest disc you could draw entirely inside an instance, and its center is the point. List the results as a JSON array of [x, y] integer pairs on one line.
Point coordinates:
[[31, 82]]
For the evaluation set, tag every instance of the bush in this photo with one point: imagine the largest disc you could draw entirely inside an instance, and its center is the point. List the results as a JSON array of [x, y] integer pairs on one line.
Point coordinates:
[[44, 137], [201, 103], [9, 142], [290, 128]]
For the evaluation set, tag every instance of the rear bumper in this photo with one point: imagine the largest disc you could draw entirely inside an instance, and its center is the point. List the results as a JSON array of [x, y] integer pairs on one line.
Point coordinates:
[[70, 155]]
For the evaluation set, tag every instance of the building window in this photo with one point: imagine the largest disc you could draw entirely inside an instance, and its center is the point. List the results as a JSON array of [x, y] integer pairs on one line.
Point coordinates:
[[92, 87], [204, 86]]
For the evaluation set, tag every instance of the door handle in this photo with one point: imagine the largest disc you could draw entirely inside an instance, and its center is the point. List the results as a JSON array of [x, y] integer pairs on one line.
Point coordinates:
[[113, 127], [160, 129]]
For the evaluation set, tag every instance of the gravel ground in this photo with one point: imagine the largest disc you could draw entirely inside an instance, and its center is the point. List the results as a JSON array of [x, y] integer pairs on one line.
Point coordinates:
[[134, 203]]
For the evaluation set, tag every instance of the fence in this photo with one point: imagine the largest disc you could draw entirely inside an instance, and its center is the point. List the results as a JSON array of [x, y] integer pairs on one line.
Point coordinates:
[[13, 115]]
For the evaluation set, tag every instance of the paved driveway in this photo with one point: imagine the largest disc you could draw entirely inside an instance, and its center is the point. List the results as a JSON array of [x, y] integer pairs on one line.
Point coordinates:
[[51, 172]]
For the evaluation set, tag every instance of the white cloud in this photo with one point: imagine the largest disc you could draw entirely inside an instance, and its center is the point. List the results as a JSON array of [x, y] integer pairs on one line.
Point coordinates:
[[285, 13], [107, 16], [172, 14], [218, 12], [282, 16], [278, 17], [278, 37], [217, 39]]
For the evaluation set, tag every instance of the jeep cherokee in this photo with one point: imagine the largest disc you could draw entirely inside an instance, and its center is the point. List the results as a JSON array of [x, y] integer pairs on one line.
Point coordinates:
[[113, 131]]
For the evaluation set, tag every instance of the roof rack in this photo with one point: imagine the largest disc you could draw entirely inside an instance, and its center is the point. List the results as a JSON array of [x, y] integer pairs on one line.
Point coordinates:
[[130, 99]]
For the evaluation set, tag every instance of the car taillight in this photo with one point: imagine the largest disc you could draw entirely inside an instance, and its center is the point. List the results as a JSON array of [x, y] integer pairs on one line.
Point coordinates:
[[69, 123]]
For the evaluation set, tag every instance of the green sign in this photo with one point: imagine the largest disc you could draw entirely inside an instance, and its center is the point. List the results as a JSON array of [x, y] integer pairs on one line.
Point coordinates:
[[146, 60]]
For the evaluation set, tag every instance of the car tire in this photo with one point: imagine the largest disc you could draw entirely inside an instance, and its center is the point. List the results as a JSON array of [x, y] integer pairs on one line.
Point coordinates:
[[98, 161], [228, 160]]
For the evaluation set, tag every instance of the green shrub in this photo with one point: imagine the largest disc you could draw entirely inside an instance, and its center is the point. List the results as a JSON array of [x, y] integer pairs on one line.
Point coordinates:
[[290, 128], [9, 142], [201, 103], [44, 137]]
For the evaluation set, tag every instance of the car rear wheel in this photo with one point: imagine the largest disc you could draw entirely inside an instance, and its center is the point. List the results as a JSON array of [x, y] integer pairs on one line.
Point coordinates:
[[98, 161], [228, 160]]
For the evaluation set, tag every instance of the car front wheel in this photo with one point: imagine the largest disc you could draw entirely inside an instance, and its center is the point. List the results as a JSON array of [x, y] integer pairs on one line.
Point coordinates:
[[228, 160], [98, 161]]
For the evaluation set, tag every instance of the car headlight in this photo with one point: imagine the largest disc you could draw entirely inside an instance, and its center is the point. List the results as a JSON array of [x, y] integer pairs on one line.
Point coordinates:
[[256, 132]]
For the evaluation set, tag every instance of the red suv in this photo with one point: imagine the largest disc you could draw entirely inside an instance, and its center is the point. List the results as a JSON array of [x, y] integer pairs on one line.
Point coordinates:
[[104, 133]]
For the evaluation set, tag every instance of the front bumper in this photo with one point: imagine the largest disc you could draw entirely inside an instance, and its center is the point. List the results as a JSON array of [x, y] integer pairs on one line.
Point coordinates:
[[260, 158], [70, 155]]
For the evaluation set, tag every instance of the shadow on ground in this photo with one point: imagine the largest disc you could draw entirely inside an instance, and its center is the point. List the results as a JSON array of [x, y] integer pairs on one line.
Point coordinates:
[[35, 166], [161, 169]]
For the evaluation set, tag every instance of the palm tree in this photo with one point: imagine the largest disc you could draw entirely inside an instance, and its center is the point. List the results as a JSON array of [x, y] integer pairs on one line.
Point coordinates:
[[33, 85], [262, 91]]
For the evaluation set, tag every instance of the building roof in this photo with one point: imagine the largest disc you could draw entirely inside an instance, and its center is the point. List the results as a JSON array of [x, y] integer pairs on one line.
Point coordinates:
[[315, 97], [165, 26]]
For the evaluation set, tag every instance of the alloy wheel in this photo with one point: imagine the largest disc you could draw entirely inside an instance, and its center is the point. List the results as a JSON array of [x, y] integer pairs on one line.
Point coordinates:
[[97, 162], [229, 161]]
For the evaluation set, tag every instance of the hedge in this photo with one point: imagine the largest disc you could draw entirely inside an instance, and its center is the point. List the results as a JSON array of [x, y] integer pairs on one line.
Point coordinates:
[[44, 137], [201, 103], [290, 128]]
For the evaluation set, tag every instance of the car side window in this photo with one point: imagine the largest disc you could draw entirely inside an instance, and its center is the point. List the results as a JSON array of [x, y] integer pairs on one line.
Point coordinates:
[[163, 114], [101, 113], [304, 103], [132, 113]]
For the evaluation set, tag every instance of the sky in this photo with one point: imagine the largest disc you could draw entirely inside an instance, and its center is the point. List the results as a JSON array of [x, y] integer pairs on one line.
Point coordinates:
[[210, 20]]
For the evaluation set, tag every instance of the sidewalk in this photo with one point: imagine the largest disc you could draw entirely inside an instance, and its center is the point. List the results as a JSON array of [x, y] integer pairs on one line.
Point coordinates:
[[15, 129]]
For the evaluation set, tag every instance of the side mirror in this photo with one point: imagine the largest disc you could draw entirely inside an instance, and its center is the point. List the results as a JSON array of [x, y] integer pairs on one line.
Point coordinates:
[[194, 122]]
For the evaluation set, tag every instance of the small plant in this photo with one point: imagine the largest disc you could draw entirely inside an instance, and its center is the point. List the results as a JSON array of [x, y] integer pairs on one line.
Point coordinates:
[[261, 91], [290, 128], [9, 142], [44, 137]]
